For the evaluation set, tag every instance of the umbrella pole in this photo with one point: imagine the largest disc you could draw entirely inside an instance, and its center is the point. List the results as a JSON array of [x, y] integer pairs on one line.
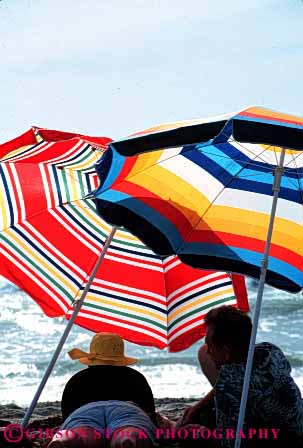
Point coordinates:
[[77, 306], [276, 190]]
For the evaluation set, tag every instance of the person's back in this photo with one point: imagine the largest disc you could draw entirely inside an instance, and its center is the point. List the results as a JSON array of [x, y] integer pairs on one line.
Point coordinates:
[[106, 382], [107, 394], [274, 401]]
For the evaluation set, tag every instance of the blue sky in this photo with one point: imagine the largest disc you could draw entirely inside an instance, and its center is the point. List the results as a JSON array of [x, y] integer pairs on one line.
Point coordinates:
[[111, 68]]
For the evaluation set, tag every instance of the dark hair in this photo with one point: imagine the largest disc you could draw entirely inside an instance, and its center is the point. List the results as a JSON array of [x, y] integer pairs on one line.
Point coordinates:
[[231, 327]]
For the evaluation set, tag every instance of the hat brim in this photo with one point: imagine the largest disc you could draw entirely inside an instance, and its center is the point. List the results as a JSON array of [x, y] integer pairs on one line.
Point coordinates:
[[126, 361], [84, 358]]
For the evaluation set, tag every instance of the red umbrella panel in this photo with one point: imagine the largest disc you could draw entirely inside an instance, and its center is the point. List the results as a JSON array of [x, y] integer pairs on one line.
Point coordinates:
[[51, 238]]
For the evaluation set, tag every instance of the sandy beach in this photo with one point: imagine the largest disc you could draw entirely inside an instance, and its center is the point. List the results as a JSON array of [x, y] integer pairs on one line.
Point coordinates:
[[47, 416]]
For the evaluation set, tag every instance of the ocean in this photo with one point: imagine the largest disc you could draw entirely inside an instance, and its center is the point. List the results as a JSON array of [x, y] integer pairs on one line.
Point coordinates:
[[28, 338]]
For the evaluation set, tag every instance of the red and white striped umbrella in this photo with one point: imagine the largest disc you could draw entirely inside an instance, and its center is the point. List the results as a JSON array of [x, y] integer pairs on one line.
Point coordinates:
[[51, 237]]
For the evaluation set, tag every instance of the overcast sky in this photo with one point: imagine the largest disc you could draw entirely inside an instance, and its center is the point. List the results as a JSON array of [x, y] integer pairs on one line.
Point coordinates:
[[113, 67]]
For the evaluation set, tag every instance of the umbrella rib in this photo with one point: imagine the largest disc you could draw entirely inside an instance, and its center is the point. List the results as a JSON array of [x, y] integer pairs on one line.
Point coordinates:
[[294, 158], [291, 181], [275, 153], [238, 160], [220, 192], [253, 155], [299, 179], [296, 167], [251, 152], [205, 152]]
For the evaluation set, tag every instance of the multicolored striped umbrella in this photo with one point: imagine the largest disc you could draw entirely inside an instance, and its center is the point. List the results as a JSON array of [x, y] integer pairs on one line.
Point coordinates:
[[205, 192], [223, 193], [51, 237]]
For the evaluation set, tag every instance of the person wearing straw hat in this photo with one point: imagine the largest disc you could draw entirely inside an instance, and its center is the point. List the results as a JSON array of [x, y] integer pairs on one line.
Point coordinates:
[[108, 377], [104, 398]]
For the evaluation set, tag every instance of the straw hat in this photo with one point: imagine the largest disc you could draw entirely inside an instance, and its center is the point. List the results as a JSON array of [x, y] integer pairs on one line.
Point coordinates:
[[105, 349]]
